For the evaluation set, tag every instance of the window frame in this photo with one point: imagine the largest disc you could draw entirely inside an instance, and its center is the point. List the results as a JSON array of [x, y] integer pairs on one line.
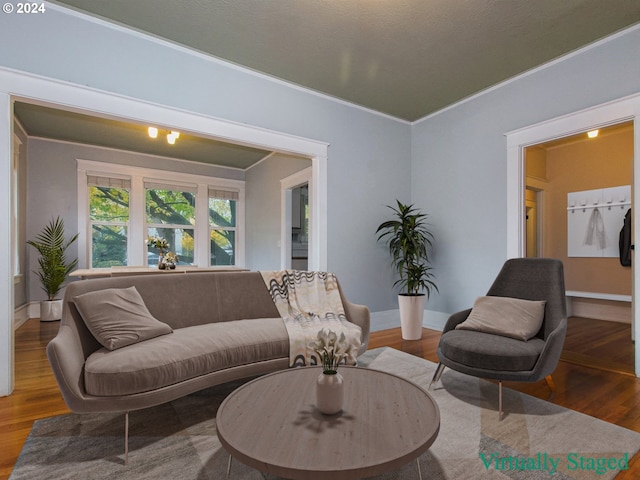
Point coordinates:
[[91, 223], [222, 228], [136, 247]]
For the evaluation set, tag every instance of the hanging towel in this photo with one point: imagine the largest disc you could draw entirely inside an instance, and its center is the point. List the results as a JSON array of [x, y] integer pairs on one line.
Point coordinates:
[[595, 231]]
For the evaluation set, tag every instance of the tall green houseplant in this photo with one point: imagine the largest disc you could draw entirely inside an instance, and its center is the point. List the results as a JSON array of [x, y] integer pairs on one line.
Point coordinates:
[[54, 267], [409, 242]]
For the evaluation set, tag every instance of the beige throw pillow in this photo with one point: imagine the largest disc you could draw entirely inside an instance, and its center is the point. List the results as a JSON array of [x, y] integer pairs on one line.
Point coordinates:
[[509, 317], [118, 317]]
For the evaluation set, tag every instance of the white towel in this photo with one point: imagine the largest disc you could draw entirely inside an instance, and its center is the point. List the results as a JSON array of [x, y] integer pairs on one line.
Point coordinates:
[[595, 231]]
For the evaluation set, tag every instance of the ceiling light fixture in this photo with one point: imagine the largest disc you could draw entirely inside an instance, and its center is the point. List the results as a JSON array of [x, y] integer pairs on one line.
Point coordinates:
[[592, 133], [172, 135]]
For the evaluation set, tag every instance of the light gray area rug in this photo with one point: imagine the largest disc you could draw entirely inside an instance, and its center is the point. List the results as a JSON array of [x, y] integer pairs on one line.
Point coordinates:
[[535, 440]]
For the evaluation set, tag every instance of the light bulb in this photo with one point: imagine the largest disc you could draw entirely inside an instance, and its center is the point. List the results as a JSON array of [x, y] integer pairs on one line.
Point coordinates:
[[592, 133], [153, 132], [175, 134], [171, 139]]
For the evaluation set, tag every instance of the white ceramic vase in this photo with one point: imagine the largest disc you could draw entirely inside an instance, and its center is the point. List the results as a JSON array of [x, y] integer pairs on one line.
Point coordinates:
[[50, 310], [411, 313], [329, 393]]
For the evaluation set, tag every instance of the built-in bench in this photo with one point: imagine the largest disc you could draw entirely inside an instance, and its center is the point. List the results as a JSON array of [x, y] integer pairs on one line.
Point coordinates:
[[602, 306]]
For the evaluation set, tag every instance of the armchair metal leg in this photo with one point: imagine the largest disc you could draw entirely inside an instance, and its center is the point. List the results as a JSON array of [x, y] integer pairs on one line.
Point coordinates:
[[550, 383], [437, 375], [500, 414], [552, 387]]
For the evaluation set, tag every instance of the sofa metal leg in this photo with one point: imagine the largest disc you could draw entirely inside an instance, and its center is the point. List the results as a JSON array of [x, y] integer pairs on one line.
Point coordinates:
[[126, 438], [229, 467], [500, 415], [437, 375]]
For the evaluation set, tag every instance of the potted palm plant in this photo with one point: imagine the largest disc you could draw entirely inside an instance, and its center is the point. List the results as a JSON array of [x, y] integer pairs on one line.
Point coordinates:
[[54, 267], [409, 242]]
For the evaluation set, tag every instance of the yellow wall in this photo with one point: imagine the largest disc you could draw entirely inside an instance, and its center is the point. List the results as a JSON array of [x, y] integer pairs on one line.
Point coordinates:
[[586, 164]]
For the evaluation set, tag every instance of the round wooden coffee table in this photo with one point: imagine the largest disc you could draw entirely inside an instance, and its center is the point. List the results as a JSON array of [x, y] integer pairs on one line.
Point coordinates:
[[272, 425]]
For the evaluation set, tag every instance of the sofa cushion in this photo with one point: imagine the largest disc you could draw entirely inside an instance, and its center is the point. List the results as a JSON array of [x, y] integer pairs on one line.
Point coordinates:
[[491, 352], [118, 317], [506, 316], [187, 353]]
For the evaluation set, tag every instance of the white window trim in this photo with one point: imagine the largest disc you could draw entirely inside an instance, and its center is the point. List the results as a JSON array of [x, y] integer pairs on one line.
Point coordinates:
[[137, 220]]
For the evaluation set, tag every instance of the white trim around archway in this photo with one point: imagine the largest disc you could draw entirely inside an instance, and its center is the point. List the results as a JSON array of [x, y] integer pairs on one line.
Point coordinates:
[[16, 85], [617, 111]]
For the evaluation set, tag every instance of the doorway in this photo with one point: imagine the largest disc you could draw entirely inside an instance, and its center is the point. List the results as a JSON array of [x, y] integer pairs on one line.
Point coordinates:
[[297, 210], [534, 227], [598, 116], [300, 227], [584, 179], [16, 85]]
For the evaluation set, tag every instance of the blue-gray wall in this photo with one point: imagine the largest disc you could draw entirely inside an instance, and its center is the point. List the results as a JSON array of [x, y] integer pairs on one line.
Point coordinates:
[[459, 162], [263, 217], [369, 155], [453, 164]]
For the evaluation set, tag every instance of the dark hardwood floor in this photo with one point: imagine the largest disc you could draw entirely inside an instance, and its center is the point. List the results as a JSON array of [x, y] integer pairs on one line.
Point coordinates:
[[594, 377]]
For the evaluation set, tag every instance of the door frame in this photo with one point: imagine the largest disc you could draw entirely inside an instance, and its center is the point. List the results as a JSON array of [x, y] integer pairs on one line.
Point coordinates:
[[599, 116]]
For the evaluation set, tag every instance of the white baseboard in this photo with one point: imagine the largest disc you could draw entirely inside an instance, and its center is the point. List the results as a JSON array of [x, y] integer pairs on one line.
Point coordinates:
[[391, 319], [34, 309], [20, 315]]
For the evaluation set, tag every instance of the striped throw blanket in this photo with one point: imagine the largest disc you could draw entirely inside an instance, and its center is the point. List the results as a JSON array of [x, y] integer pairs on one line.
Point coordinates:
[[309, 302]]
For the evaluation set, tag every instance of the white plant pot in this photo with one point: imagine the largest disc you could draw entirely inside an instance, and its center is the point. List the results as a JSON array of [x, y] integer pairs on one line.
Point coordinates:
[[411, 313], [50, 310]]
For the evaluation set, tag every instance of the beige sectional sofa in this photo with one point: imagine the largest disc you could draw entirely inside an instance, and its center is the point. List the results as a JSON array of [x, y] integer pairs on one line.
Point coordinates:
[[223, 326]]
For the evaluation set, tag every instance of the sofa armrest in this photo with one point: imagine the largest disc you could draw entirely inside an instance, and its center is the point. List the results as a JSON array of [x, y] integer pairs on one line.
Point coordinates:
[[66, 358], [359, 314]]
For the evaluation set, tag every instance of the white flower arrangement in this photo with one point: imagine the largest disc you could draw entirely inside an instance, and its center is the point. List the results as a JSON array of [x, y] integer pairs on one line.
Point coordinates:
[[171, 258], [332, 350], [159, 243]]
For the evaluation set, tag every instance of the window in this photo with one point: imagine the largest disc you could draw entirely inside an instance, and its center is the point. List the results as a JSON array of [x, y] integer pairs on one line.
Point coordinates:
[[171, 214], [119, 207], [108, 220], [222, 227]]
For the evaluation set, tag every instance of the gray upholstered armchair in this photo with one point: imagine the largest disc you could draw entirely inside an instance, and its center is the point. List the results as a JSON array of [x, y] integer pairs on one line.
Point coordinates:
[[501, 358]]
